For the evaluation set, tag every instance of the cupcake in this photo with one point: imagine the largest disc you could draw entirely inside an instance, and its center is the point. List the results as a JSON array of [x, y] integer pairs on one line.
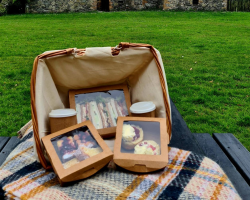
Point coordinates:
[[131, 136], [148, 147]]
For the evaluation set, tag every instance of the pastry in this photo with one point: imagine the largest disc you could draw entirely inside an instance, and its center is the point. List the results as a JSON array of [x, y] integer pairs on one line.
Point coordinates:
[[70, 163], [76, 137], [88, 144], [79, 142], [59, 144], [70, 140], [148, 147], [84, 135], [90, 151], [80, 156], [66, 147], [68, 156], [89, 148], [131, 136]]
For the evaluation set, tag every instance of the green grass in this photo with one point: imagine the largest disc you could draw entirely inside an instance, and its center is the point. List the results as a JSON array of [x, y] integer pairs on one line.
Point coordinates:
[[212, 97]]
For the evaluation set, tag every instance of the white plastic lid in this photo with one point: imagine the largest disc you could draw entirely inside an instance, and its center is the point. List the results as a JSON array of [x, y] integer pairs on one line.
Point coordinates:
[[62, 113], [142, 107]]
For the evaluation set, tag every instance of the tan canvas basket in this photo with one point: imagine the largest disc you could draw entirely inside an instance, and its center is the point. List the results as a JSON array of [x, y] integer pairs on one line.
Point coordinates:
[[56, 72]]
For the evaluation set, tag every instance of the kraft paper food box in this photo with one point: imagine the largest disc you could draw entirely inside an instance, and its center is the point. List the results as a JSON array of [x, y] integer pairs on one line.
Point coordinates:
[[141, 144], [77, 152]]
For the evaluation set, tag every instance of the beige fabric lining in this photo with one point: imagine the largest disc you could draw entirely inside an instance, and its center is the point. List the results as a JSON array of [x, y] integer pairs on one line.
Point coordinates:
[[97, 67]]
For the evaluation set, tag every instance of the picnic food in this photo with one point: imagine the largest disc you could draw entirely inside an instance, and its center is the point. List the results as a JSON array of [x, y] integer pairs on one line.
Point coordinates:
[[90, 151], [102, 108], [77, 152], [148, 147], [66, 148], [87, 144], [77, 147], [80, 156], [70, 163], [131, 136]]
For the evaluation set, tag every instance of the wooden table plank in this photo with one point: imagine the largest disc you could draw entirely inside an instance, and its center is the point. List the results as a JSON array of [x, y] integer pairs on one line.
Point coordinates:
[[213, 151], [8, 148], [3, 141], [236, 152], [182, 137]]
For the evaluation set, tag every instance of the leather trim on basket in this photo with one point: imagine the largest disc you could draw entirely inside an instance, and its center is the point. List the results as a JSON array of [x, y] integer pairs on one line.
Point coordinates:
[[40, 152]]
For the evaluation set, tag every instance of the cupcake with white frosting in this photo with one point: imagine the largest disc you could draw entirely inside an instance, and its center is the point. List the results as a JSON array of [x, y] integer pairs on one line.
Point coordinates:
[[148, 147], [131, 136]]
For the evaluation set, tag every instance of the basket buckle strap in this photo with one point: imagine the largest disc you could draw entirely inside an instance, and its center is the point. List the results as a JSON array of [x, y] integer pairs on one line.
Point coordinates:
[[70, 50], [124, 45]]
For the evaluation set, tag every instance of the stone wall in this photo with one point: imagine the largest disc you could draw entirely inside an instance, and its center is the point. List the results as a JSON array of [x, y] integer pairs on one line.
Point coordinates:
[[116, 5], [57, 6], [3, 6], [209, 5]]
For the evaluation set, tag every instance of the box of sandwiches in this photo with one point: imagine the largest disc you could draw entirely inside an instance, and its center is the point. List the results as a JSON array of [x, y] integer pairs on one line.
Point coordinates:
[[77, 152], [141, 144], [102, 106]]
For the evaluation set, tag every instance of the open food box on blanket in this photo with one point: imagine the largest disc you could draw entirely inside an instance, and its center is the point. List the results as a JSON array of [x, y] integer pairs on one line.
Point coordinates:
[[141, 144], [77, 152]]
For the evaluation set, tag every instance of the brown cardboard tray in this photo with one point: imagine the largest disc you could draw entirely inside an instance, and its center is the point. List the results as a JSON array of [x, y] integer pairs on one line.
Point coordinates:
[[148, 150], [77, 152], [101, 105]]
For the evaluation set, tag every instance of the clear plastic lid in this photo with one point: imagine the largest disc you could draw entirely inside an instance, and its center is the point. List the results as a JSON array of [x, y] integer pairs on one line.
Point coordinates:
[[101, 108], [75, 146], [142, 107], [141, 137], [62, 113]]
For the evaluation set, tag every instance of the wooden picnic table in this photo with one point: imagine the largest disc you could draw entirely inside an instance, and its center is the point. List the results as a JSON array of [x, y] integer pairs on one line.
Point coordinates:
[[223, 148]]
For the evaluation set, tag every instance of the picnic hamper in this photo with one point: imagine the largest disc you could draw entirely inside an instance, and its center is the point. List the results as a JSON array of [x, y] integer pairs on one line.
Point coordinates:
[[56, 72]]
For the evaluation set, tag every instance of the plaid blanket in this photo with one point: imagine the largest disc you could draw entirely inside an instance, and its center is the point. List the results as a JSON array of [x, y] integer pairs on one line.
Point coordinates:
[[187, 176]]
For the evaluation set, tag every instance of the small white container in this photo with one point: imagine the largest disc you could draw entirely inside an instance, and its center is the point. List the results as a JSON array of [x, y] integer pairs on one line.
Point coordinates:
[[61, 119], [143, 109]]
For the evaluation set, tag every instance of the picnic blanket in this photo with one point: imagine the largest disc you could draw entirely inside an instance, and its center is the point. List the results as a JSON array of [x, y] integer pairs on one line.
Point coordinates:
[[187, 176]]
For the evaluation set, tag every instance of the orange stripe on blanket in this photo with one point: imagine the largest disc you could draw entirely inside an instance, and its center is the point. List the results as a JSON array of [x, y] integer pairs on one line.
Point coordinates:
[[52, 194], [225, 180], [162, 176], [171, 167], [14, 157], [20, 180], [218, 187], [139, 179], [135, 183], [4, 174], [27, 182], [39, 189], [10, 196]]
